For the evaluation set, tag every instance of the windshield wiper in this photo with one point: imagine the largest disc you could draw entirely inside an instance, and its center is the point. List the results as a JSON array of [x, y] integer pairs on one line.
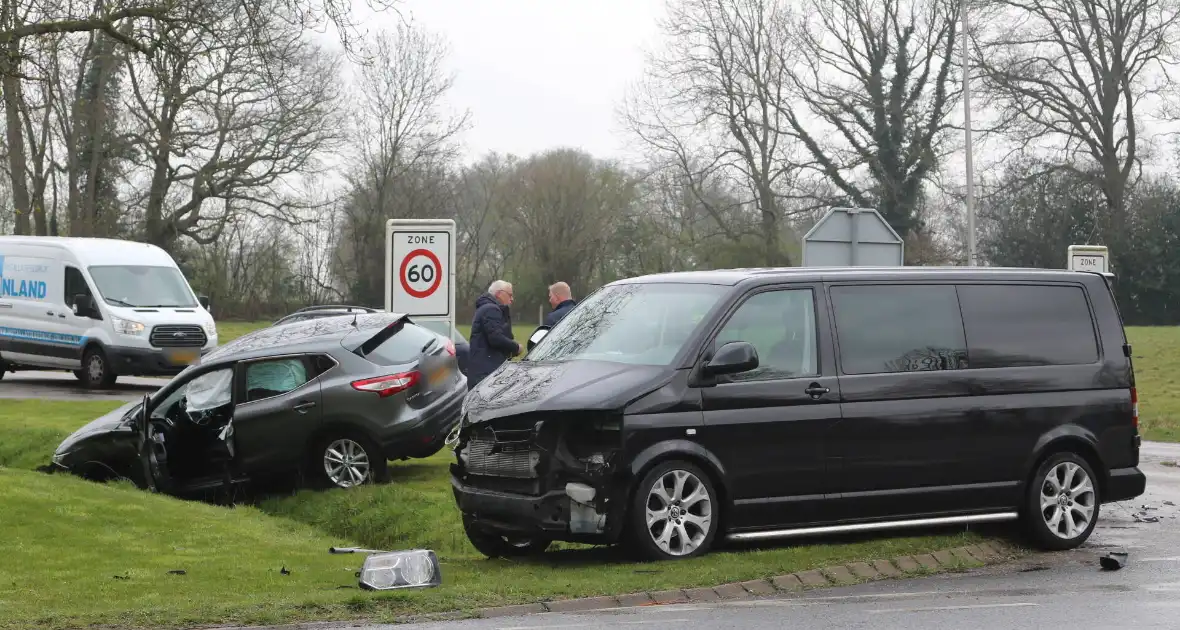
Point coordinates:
[[118, 302]]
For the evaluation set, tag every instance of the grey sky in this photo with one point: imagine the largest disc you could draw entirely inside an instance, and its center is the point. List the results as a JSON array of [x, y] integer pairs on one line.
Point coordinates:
[[540, 73]]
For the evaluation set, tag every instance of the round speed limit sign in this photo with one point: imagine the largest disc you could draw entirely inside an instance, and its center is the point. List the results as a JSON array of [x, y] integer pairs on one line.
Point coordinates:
[[421, 273]]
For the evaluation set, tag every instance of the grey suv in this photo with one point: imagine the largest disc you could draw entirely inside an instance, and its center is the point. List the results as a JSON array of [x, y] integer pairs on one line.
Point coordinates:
[[332, 397]]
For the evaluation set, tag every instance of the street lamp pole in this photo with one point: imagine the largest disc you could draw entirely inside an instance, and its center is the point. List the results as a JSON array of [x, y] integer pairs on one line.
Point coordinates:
[[971, 259]]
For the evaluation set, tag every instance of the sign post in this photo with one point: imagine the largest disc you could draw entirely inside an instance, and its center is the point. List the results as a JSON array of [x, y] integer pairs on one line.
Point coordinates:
[[420, 269], [1089, 258]]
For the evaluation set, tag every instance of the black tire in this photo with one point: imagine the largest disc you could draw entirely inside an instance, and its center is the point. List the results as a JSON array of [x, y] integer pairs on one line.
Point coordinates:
[[1076, 500], [694, 525], [96, 372], [495, 545], [357, 449]]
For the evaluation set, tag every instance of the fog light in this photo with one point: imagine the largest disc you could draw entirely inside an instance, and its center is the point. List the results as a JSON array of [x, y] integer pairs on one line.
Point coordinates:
[[388, 570]]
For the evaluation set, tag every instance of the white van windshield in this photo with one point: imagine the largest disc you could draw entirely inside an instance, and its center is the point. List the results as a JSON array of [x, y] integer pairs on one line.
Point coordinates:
[[142, 286]]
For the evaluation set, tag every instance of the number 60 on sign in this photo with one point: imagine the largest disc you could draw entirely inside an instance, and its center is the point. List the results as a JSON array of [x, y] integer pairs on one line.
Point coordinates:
[[418, 277]]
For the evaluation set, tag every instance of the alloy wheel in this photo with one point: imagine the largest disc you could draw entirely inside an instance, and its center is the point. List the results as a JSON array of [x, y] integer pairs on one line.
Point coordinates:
[[346, 463], [679, 512], [1067, 500]]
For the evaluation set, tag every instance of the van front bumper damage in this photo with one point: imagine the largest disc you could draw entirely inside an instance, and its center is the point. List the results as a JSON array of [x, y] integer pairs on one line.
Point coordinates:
[[551, 482]]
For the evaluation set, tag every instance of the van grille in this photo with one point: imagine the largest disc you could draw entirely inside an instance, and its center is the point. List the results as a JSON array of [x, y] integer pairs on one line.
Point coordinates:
[[517, 461], [177, 337]]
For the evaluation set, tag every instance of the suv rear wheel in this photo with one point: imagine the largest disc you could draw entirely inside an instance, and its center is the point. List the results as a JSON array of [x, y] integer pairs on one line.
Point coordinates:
[[1063, 502], [674, 513], [346, 459]]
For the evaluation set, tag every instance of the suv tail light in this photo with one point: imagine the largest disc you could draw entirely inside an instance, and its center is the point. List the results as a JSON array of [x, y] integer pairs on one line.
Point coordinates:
[[385, 386], [1135, 407], [450, 346]]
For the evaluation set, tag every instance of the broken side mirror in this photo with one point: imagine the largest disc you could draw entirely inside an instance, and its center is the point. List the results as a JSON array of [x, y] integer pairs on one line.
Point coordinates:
[[732, 358], [536, 337]]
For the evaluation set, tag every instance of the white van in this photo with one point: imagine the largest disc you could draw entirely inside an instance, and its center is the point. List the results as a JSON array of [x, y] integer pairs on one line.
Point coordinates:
[[100, 308]]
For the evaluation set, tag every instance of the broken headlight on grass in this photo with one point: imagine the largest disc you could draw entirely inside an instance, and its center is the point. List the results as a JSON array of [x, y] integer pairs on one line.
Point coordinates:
[[389, 570]]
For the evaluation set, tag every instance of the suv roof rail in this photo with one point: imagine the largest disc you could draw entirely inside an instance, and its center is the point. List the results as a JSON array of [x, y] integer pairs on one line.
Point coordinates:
[[324, 307]]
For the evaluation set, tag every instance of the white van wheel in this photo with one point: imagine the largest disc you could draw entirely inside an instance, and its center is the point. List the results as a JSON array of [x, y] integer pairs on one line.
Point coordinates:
[[96, 372]]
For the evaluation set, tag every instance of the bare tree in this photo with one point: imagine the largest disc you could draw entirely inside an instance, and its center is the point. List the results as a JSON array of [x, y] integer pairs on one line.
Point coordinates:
[[483, 205], [878, 79], [713, 103], [1073, 73], [229, 118], [405, 143]]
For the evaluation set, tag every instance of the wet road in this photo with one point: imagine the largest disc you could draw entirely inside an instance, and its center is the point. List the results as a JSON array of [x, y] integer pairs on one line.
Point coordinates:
[[1065, 589], [63, 386]]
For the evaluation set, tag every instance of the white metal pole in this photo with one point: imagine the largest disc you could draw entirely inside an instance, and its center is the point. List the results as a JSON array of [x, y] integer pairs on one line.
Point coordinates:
[[971, 259]]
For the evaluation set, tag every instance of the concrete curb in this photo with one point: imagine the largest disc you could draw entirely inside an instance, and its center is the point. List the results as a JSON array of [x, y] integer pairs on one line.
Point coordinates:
[[959, 558]]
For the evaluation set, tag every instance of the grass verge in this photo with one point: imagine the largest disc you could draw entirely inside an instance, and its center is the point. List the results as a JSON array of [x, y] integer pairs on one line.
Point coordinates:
[[80, 553], [1157, 377]]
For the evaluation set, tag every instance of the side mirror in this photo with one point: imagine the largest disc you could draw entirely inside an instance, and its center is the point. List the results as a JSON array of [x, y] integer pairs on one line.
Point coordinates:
[[205, 303], [537, 336], [84, 306], [733, 358]]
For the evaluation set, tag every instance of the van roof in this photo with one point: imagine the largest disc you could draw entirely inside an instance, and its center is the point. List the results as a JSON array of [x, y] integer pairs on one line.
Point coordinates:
[[98, 251], [732, 277]]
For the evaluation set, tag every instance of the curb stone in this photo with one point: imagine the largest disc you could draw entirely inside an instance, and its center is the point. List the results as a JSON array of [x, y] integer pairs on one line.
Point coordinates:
[[982, 554]]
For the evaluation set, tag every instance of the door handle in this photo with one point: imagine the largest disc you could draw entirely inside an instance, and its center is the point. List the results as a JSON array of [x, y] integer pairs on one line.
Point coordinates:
[[304, 406], [50, 313], [815, 390]]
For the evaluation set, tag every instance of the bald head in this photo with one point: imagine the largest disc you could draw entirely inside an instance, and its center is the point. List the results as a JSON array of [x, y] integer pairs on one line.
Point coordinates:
[[558, 293]]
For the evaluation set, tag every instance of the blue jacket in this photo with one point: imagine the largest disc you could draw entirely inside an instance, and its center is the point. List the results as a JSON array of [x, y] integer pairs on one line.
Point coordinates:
[[559, 312], [491, 339]]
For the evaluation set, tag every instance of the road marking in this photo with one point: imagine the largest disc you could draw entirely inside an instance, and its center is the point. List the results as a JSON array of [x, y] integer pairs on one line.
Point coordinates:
[[580, 625], [964, 607], [1170, 559]]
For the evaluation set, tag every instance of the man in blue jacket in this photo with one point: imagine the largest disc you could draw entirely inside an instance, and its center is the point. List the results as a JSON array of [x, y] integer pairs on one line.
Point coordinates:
[[491, 339], [562, 301]]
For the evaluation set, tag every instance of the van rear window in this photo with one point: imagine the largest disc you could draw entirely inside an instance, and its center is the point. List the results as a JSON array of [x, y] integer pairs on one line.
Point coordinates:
[[404, 346], [1027, 325]]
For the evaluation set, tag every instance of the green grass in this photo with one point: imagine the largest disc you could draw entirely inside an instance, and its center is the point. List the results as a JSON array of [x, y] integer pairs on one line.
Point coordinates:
[[1157, 378], [66, 539]]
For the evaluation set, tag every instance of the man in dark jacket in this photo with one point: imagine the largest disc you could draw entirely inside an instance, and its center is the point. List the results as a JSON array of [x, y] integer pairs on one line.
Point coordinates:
[[562, 301], [491, 339]]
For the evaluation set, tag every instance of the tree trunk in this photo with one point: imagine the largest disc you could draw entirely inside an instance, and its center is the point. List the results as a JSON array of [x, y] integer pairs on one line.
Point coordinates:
[[16, 142]]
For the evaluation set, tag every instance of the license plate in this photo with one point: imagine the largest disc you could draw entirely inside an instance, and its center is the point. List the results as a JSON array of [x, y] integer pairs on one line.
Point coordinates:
[[183, 357], [439, 375]]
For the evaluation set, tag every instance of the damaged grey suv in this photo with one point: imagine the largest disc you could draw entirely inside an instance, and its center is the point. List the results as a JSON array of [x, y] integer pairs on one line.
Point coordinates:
[[670, 410]]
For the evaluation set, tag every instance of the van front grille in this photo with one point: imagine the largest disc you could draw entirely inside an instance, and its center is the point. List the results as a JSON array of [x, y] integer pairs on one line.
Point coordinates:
[[484, 457], [174, 336]]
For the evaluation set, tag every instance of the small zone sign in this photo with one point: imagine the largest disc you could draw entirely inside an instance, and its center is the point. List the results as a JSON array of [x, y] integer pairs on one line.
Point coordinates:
[[420, 267]]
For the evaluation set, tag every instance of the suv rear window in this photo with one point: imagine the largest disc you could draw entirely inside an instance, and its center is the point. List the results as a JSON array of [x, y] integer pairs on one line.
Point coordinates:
[[1026, 325], [404, 346]]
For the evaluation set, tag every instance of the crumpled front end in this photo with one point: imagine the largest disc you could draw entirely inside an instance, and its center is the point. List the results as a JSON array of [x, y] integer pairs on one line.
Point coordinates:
[[556, 475]]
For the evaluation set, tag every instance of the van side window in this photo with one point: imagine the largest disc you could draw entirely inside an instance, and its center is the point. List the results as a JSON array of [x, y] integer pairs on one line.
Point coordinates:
[[1023, 325], [899, 328], [75, 285], [781, 326]]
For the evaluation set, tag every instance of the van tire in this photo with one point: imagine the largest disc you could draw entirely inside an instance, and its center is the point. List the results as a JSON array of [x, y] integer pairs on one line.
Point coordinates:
[[96, 372], [495, 545], [1076, 497], [683, 516]]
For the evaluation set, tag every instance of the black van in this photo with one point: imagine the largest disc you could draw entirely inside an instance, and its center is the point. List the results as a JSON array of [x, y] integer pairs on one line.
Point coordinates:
[[667, 410]]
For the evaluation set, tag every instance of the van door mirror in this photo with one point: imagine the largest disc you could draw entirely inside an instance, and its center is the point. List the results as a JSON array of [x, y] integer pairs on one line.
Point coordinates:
[[205, 303], [84, 306], [733, 358], [537, 336]]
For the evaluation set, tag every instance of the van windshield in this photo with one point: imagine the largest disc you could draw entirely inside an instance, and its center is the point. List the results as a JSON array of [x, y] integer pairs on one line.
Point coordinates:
[[638, 324], [142, 286]]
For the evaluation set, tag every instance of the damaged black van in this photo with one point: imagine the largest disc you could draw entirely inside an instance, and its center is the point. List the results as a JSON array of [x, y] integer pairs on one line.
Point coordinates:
[[666, 411]]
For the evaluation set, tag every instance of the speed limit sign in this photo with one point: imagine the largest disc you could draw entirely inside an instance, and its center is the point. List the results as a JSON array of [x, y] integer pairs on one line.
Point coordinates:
[[419, 280]]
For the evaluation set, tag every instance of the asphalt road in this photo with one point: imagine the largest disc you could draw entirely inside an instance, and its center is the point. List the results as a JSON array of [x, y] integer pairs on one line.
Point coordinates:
[[1048, 590], [63, 386]]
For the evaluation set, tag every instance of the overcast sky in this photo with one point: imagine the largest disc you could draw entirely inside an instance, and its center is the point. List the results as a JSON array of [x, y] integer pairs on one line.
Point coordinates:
[[540, 73]]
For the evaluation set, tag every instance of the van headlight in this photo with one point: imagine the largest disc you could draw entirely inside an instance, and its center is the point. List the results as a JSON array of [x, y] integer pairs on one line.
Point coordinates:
[[210, 329], [126, 326]]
